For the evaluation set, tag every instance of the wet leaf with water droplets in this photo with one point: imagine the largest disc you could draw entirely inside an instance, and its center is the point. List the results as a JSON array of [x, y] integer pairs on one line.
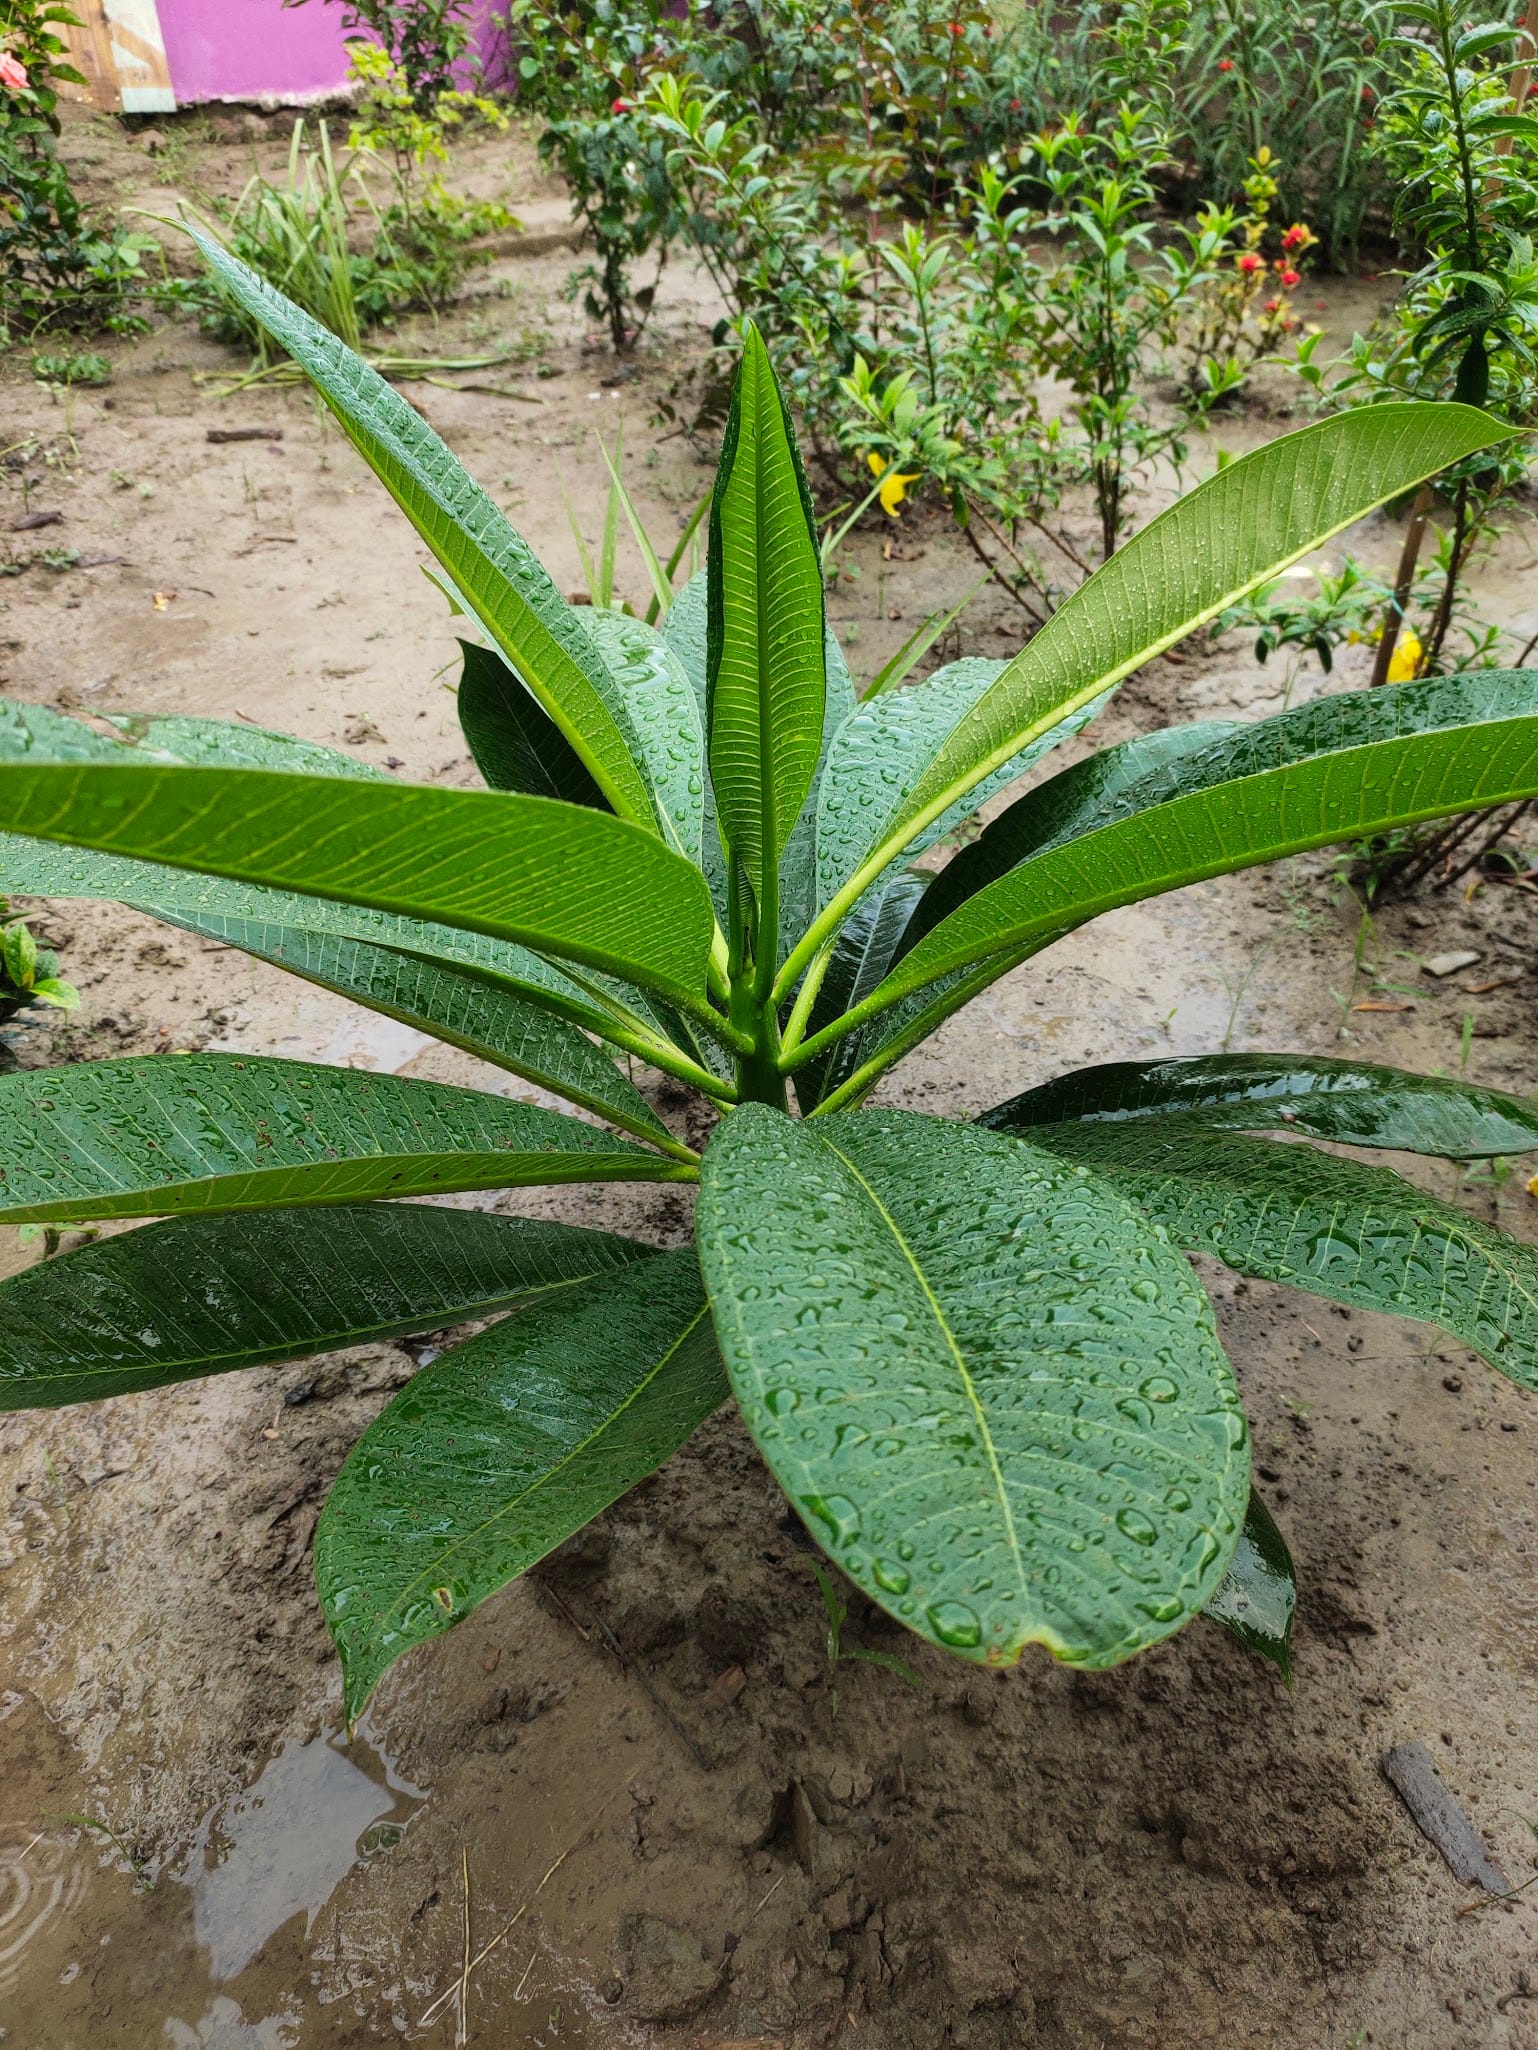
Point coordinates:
[[996, 1398], [1337, 1228], [205, 1295], [1259, 1592], [164, 1133], [1352, 1101], [502, 1449]]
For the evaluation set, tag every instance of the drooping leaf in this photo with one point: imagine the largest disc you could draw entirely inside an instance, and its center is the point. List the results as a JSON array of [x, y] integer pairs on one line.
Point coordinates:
[[453, 1005], [516, 744], [150, 1136], [1259, 1593], [883, 749], [1087, 794], [499, 578], [194, 1296], [765, 666], [995, 1397], [578, 884], [1351, 1101], [1338, 1228], [665, 716], [1341, 768], [503, 1448], [1234, 532], [862, 955]]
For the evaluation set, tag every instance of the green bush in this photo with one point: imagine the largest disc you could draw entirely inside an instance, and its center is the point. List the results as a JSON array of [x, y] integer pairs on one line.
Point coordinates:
[[971, 1353]]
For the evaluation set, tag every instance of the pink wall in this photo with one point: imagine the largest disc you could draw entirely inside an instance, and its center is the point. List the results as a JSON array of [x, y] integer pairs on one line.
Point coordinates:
[[260, 50]]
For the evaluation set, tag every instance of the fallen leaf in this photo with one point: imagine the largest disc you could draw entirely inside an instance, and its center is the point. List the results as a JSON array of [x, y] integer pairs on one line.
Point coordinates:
[[1373, 1005], [1483, 989]]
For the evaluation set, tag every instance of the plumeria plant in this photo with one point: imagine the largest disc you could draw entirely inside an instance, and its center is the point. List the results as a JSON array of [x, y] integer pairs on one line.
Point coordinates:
[[973, 1354]]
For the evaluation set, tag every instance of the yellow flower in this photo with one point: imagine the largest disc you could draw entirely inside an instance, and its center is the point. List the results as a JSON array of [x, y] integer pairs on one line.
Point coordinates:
[[1406, 658], [894, 486]]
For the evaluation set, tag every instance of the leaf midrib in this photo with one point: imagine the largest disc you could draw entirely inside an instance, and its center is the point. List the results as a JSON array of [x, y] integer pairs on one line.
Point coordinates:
[[949, 1336]]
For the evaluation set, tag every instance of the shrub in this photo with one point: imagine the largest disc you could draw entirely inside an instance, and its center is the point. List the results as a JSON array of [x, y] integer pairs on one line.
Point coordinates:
[[971, 1354], [58, 267], [429, 41]]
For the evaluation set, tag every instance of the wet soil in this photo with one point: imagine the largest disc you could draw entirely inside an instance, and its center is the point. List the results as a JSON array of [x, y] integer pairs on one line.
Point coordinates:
[[634, 1780]]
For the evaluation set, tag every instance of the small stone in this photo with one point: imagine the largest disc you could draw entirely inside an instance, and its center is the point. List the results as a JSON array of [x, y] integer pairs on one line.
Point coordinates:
[[1440, 965]]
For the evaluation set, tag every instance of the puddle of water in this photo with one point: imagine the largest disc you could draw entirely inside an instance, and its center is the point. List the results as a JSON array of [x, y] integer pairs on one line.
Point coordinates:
[[284, 1846]]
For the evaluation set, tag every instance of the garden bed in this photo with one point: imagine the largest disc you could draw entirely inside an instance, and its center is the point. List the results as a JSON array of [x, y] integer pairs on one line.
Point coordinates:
[[707, 1835]]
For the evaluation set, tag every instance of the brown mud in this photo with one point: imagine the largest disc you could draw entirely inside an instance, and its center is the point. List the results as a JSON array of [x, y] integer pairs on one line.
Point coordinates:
[[680, 1827]]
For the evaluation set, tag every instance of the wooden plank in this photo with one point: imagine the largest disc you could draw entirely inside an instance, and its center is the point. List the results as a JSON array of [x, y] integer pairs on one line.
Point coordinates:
[[1414, 1777], [139, 57], [90, 52]]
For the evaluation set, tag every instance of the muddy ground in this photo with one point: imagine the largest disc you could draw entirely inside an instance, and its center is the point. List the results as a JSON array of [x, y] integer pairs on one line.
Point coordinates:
[[682, 1828]]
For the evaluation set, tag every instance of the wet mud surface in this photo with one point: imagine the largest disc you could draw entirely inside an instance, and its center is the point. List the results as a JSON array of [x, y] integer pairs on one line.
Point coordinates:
[[633, 1781]]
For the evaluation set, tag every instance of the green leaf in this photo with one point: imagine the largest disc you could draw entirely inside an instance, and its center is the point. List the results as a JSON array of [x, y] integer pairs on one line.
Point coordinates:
[[504, 1448], [863, 953], [574, 883], [1350, 1101], [765, 661], [883, 749], [516, 744], [1342, 768], [216, 744], [1237, 530], [36, 732], [1066, 806], [456, 1006], [221, 910], [205, 1295], [503, 584], [995, 1397], [665, 715], [1338, 1228], [151, 1136], [1259, 1592]]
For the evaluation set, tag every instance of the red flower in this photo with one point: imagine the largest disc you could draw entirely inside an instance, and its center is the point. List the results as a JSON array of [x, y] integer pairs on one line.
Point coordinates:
[[13, 72], [1225, 64], [1297, 237], [1250, 264], [957, 29], [620, 107], [1273, 306], [1291, 278], [1014, 106]]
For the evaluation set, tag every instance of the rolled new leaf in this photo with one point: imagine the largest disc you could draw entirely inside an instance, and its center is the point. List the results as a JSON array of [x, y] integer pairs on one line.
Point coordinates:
[[497, 575], [505, 1447], [992, 1393], [206, 1295], [1338, 1228], [1354, 1102], [151, 1136]]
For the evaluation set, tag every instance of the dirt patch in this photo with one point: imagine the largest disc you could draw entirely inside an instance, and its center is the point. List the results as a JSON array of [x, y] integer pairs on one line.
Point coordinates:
[[680, 1826]]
